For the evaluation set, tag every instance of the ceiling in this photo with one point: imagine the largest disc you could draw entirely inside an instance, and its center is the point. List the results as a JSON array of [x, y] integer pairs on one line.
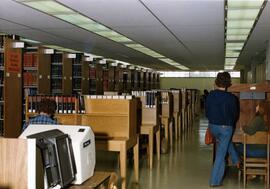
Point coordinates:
[[258, 40], [191, 32]]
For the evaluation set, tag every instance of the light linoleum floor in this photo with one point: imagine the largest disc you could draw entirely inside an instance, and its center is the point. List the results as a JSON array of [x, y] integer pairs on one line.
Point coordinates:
[[186, 166]]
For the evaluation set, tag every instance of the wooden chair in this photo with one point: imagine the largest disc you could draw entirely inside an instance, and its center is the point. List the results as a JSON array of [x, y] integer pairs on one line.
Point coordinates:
[[256, 166]]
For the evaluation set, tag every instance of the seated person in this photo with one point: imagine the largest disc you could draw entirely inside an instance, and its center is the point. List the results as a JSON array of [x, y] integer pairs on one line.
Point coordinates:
[[258, 123], [46, 109]]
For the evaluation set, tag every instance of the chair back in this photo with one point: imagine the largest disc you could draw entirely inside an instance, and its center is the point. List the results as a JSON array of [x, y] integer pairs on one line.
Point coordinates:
[[260, 137], [252, 165]]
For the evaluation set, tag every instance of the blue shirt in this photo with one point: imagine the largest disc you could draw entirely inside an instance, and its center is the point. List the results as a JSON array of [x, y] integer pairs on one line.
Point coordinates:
[[222, 108], [40, 119]]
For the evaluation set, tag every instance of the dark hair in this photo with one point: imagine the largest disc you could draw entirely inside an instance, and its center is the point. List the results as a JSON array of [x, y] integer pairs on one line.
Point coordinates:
[[47, 106], [223, 80]]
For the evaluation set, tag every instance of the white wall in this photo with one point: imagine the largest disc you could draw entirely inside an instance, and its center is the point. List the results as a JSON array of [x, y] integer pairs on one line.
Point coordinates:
[[194, 83]]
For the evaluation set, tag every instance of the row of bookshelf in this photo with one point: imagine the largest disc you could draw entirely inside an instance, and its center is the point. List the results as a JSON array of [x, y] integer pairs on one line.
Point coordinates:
[[64, 104], [1, 86], [30, 79], [149, 96], [30, 59]]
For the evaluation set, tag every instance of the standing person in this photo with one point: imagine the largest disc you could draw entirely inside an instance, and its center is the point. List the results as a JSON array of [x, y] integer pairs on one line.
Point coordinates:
[[222, 113], [204, 96], [46, 110]]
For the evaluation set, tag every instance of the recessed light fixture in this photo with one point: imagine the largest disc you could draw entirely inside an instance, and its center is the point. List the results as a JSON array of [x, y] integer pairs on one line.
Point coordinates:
[[241, 17], [60, 11]]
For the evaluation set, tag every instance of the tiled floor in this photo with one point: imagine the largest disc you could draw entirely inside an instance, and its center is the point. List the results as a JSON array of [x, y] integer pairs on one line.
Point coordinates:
[[187, 166]]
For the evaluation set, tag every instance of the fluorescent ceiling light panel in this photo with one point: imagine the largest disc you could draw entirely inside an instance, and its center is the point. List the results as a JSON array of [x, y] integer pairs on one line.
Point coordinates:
[[233, 48], [245, 4], [246, 24], [120, 39], [62, 48], [144, 50], [167, 60], [183, 68], [236, 37], [242, 14], [29, 40], [134, 46], [108, 33], [153, 54], [48, 6], [232, 54], [230, 61], [95, 27], [237, 31], [240, 45], [75, 18], [69, 50], [228, 67]]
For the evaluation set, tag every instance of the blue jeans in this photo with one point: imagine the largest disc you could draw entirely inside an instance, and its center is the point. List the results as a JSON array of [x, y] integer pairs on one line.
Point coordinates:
[[223, 135]]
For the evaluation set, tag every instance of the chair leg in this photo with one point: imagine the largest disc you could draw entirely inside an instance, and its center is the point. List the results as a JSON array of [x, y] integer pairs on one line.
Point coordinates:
[[244, 178], [267, 181]]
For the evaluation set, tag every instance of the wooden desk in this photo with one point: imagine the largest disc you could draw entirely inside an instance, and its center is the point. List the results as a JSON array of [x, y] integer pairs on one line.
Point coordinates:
[[167, 114], [150, 130], [166, 121], [114, 122], [150, 125], [122, 145], [98, 180]]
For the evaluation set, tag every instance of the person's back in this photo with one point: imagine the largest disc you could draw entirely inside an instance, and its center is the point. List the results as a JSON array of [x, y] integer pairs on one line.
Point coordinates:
[[221, 108]]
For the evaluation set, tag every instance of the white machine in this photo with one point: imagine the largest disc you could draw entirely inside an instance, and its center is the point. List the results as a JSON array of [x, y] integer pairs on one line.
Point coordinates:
[[83, 143]]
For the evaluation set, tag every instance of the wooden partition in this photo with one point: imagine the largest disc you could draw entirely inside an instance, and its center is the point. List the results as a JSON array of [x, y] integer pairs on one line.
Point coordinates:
[[67, 75], [119, 79], [167, 104], [151, 126], [85, 77], [15, 168], [111, 117], [177, 109], [114, 122], [167, 114], [184, 109], [189, 107], [111, 77], [248, 96], [44, 72], [12, 89]]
